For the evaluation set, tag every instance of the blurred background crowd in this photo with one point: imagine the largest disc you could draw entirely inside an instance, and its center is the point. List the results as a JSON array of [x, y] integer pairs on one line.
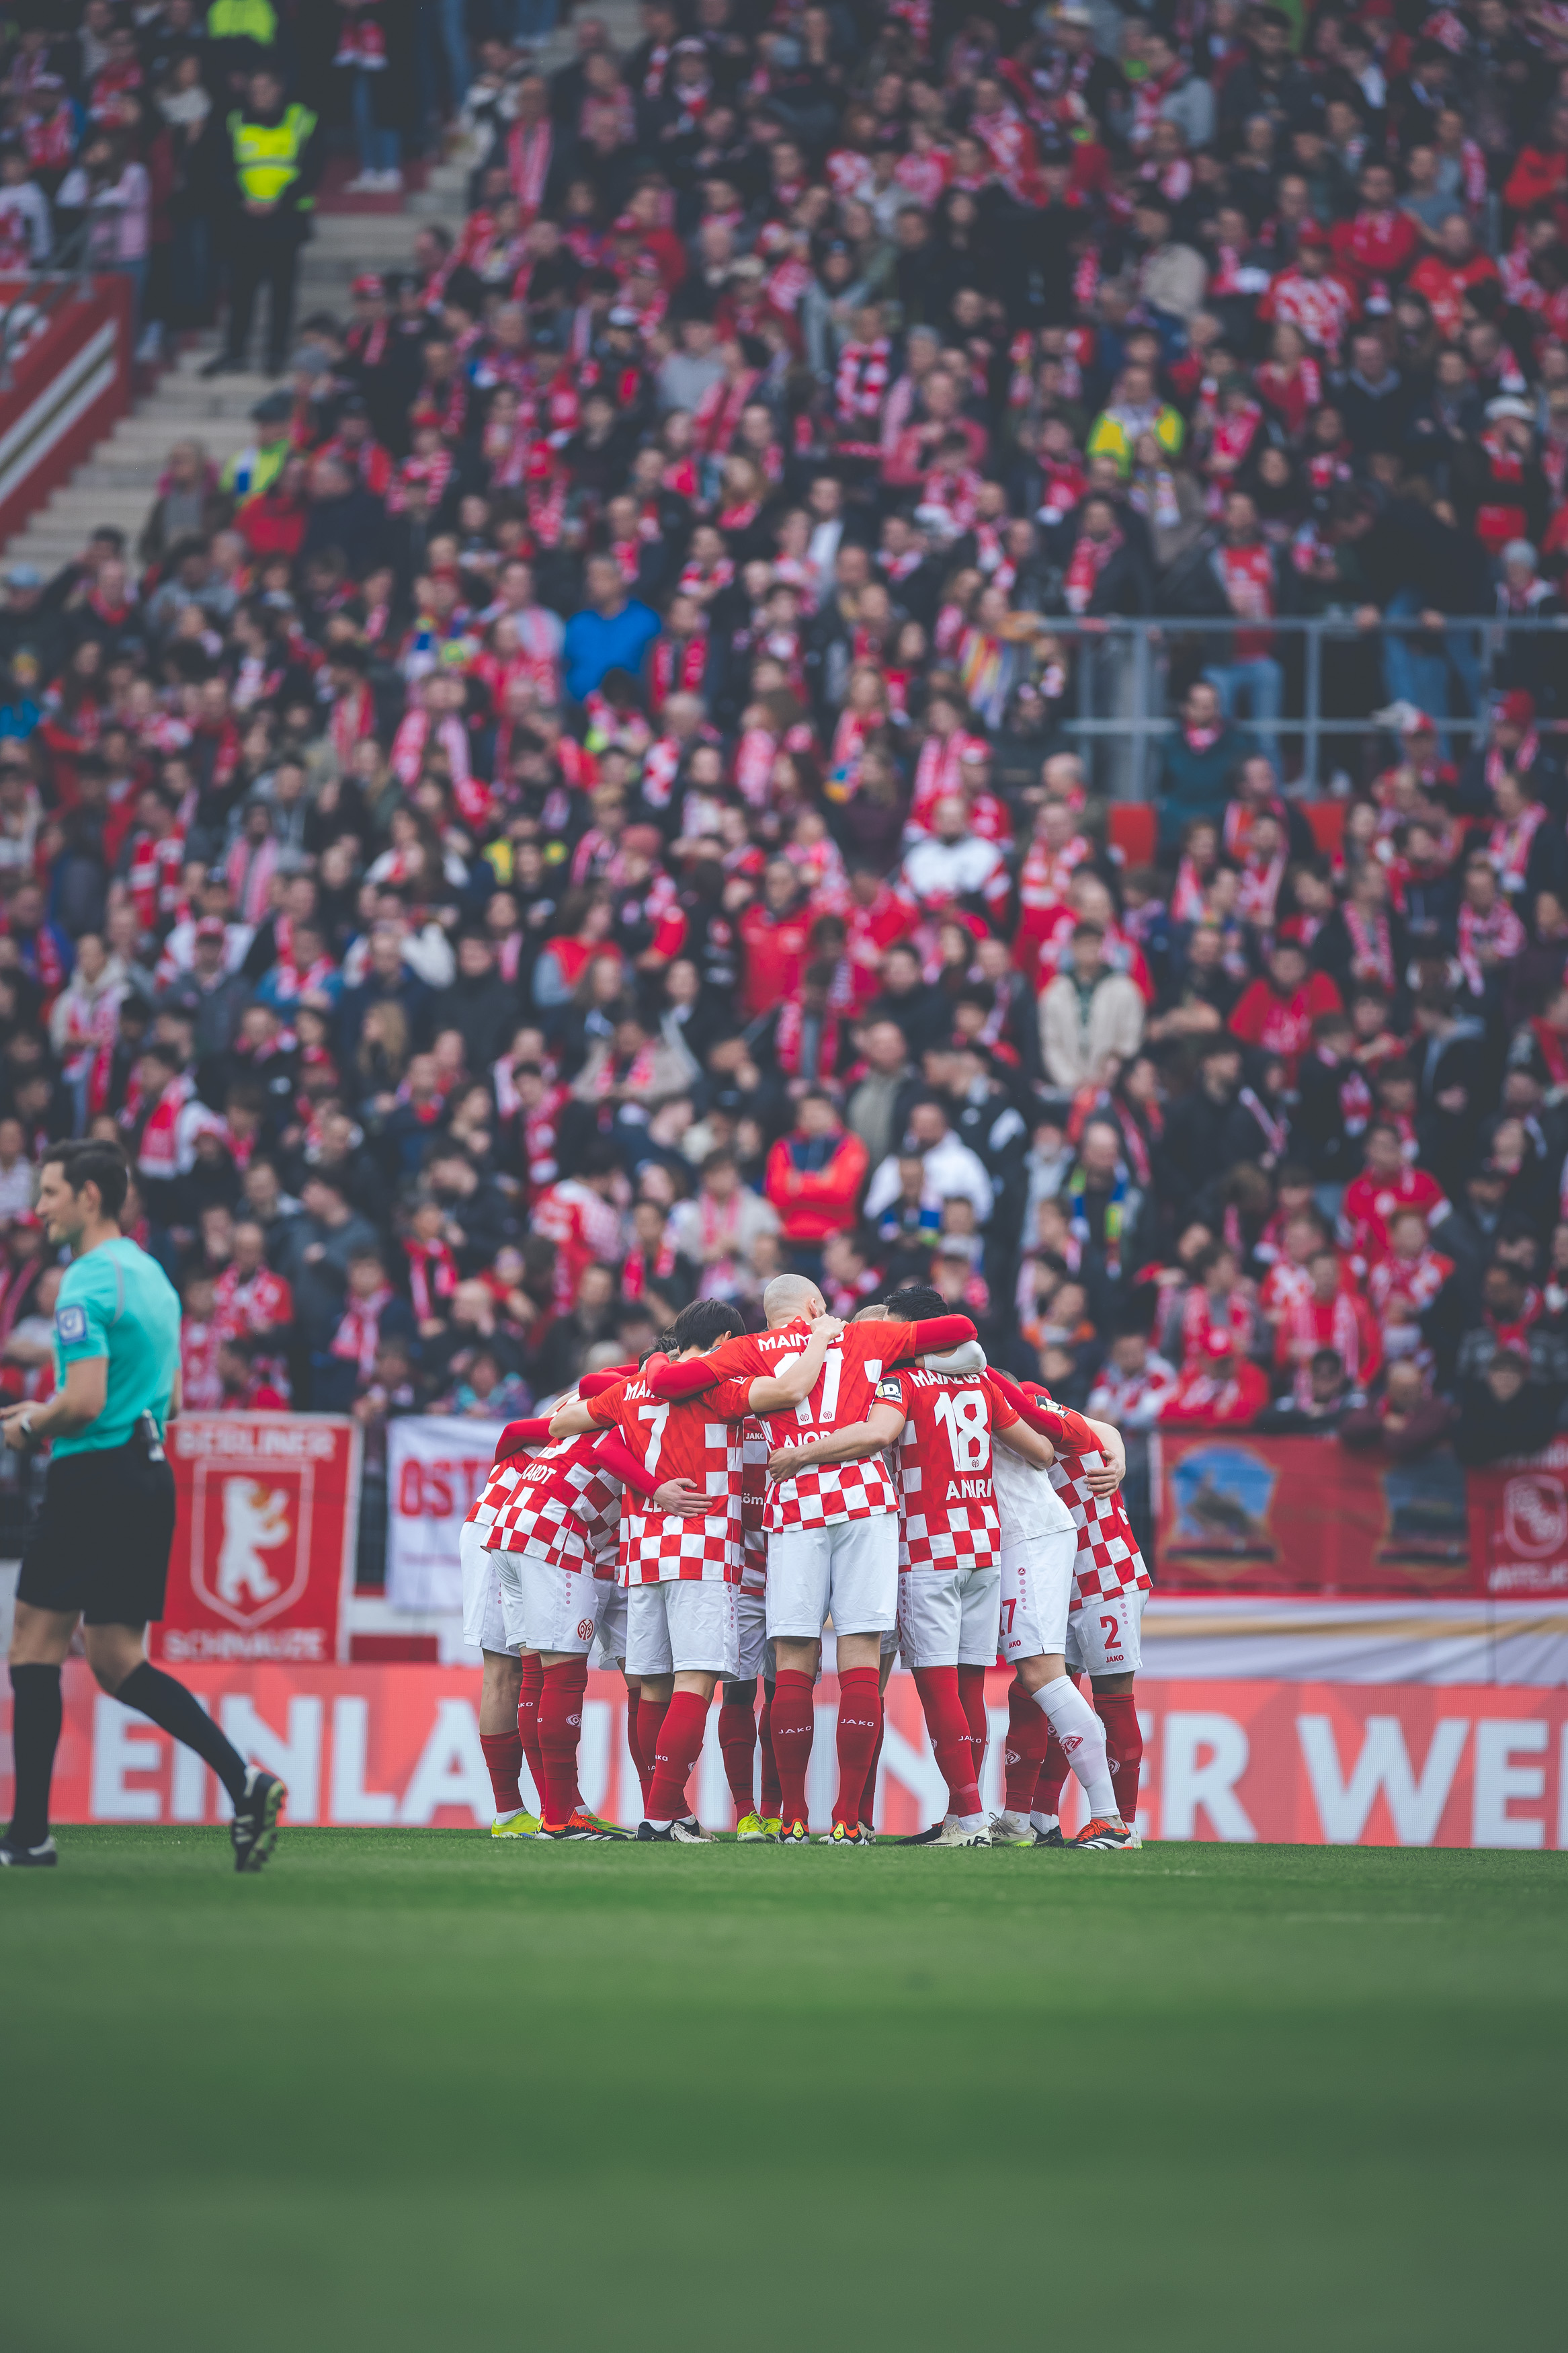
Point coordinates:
[[929, 646]]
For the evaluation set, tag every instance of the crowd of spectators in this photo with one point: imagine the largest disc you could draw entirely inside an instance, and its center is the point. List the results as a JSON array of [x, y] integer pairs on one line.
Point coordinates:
[[586, 811]]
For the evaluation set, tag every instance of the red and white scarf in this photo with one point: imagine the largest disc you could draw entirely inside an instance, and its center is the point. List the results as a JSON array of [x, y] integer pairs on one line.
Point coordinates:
[[1500, 931], [358, 1336], [1088, 561], [432, 1276], [1509, 844]]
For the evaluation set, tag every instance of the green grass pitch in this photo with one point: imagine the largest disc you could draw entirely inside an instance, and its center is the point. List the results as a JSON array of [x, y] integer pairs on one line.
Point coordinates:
[[425, 2090]]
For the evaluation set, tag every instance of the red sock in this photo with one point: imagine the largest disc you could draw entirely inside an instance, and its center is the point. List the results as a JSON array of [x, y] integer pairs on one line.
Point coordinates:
[[794, 1722], [528, 1719], [769, 1800], [560, 1729], [503, 1762], [1118, 1711], [650, 1724], [859, 1726], [972, 1698], [949, 1729], [868, 1794], [1053, 1773], [738, 1740], [680, 1746], [1027, 1732]]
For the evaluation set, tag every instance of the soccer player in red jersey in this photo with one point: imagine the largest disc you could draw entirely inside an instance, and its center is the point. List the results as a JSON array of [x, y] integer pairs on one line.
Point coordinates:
[[681, 1572], [832, 1545], [1109, 1582], [553, 1534], [754, 1819], [510, 1673]]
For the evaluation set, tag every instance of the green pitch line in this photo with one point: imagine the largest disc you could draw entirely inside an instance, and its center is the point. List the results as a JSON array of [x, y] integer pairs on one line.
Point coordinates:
[[424, 2090]]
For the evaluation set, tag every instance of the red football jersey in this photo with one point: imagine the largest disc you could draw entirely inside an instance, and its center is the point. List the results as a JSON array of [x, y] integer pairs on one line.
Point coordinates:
[[682, 1440], [1108, 1559], [561, 1504], [942, 1460], [824, 1494]]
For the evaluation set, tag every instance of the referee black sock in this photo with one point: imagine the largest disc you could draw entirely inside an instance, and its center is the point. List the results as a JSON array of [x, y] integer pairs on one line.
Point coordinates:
[[179, 1712], [35, 1718]]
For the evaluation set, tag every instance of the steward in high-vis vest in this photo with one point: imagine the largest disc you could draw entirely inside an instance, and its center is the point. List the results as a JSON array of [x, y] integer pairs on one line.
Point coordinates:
[[273, 149]]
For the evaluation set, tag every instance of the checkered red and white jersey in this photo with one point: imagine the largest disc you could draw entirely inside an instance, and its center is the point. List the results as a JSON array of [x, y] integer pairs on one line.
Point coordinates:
[[493, 1494], [825, 1493], [1108, 1559], [948, 1516], [561, 1505], [754, 1451], [683, 1441]]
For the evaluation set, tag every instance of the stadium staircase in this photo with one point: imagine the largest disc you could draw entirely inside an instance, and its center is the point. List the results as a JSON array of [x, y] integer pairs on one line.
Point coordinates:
[[119, 480]]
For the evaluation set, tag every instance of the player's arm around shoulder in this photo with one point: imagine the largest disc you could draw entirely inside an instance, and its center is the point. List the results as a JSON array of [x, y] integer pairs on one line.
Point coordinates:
[[1009, 1427], [576, 1415], [792, 1382], [883, 1426]]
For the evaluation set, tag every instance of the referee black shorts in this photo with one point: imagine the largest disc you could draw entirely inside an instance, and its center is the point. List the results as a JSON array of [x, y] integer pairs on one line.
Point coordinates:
[[101, 1542]]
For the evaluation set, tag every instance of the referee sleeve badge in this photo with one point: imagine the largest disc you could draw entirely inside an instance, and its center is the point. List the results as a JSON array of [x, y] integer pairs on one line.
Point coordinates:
[[70, 1323]]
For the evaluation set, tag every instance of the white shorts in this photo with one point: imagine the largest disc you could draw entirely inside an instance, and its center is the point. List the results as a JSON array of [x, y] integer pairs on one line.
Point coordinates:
[[947, 1617], [848, 1571], [547, 1607], [756, 1653], [1037, 1594], [682, 1627], [1102, 1637], [483, 1624]]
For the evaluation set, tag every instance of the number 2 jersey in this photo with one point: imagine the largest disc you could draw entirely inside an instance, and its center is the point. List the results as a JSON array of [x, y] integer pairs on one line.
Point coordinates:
[[943, 1466], [1107, 1561], [686, 1440], [824, 1495]]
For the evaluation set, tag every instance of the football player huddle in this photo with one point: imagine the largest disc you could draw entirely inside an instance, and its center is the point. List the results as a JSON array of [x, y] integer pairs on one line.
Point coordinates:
[[697, 1520]]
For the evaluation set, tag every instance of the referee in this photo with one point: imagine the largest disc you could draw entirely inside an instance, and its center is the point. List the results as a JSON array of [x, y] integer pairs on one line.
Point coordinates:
[[99, 1548]]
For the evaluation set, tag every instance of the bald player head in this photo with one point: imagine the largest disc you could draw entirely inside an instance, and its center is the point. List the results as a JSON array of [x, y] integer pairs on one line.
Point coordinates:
[[788, 1296]]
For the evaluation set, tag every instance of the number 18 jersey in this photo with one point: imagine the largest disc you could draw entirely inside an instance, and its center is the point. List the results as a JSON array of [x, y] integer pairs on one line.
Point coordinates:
[[944, 1460]]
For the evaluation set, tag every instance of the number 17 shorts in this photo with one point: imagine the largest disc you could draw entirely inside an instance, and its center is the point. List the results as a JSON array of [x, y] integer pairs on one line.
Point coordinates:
[[1037, 1594]]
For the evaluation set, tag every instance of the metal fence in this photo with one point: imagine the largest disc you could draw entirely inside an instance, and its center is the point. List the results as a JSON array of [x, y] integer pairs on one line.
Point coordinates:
[[1315, 714]]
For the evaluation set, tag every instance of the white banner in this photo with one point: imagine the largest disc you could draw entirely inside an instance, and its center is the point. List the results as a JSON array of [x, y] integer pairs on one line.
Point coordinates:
[[436, 1465]]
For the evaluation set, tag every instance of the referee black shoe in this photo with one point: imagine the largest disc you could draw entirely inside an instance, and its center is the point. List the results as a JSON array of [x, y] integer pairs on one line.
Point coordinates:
[[254, 1829], [15, 1856]]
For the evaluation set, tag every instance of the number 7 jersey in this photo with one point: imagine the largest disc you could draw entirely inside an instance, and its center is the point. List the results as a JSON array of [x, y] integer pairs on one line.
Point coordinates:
[[681, 1441]]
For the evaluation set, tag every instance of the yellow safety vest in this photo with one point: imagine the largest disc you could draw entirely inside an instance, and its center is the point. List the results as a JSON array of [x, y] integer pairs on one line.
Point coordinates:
[[243, 20], [266, 157]]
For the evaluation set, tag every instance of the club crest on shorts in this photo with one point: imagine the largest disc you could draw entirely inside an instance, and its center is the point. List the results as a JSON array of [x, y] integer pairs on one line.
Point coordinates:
[[585, 1629]]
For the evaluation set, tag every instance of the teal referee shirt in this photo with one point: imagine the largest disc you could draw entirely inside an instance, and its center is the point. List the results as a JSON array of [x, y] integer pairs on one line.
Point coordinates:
[[117, 1303]]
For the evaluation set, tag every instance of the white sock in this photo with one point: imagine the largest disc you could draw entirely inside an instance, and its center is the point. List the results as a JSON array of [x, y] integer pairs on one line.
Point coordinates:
[[971, 1821], [1082, 1736], [654, 1823], [1042, 1821]]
